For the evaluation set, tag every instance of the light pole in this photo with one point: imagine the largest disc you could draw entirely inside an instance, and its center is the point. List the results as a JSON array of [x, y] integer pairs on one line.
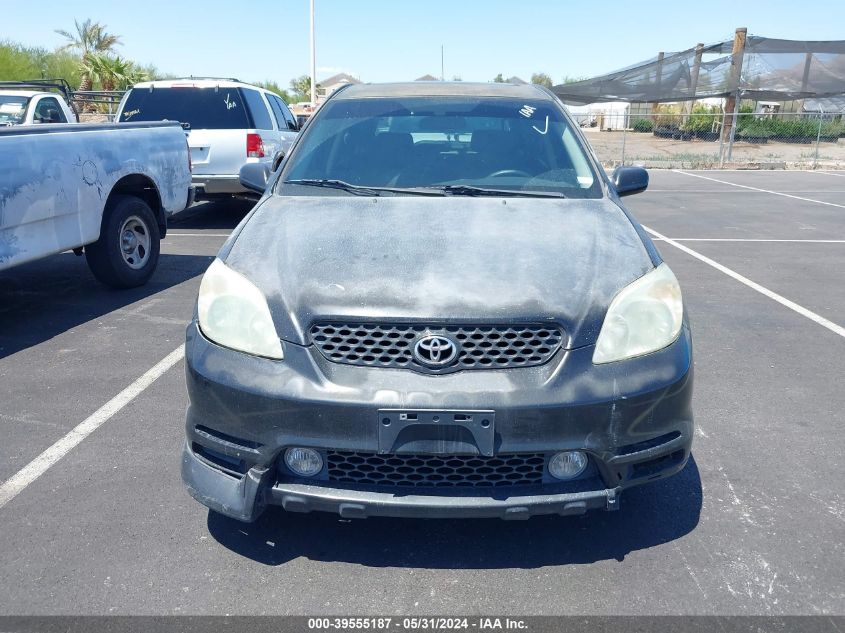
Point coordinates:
[[441, 63], [313, 62]]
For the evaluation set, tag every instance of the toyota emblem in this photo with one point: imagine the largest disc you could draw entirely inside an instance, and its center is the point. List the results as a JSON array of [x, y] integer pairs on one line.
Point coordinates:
[[434, 350]]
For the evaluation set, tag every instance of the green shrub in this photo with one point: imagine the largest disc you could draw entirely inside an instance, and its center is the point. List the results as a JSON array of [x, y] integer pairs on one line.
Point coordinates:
[[701, 119], [643, 125], [756, 129]]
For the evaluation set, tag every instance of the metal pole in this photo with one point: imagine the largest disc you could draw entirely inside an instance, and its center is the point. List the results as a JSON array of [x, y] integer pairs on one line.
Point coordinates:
[[624, 136], [442, 78], [313, 62], [722, 139], [818, 137]]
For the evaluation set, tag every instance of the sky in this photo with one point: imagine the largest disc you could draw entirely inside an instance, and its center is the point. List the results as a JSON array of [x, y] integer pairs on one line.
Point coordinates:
[[395, 40]]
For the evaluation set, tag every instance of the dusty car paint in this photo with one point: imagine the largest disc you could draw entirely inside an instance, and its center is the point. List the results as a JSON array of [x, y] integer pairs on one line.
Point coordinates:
[[55, 181], [433, 263], [445, 256]]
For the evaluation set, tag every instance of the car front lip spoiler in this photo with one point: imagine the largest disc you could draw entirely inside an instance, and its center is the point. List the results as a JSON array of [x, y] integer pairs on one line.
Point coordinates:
[[355, 504], [246, 498]]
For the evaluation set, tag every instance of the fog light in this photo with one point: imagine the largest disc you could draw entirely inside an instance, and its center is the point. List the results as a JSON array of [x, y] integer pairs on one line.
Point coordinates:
[[567, 465], [305, 462]]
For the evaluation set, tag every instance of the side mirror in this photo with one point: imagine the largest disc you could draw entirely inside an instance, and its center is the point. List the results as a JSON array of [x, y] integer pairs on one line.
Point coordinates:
[[630, 180], [254, 176]]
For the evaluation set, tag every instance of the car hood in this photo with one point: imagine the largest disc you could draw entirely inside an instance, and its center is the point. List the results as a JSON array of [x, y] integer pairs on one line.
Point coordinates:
[[466, 260]]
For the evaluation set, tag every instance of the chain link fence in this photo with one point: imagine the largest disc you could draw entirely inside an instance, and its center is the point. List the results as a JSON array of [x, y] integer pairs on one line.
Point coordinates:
[[708, 138], [97, 106]]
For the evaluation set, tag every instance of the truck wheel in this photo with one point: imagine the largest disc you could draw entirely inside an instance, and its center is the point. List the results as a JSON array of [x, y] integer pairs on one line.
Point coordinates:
[[126, 254]]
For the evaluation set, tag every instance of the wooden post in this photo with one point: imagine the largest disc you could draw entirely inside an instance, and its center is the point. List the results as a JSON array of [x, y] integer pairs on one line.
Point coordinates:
[[806, 78], [693, 80], [731, 103], [658, 79]]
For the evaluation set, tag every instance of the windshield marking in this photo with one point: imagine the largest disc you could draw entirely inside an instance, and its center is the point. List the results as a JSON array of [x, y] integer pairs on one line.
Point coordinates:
[[527, 111], [545, 131]]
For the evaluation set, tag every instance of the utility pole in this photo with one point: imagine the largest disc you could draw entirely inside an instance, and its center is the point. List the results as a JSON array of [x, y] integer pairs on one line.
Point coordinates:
[[442, 78], [313, 62], [732, 102]]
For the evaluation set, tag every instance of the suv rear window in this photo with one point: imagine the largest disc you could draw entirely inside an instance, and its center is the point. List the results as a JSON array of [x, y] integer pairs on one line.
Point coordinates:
[[260, 115], [201, 108]]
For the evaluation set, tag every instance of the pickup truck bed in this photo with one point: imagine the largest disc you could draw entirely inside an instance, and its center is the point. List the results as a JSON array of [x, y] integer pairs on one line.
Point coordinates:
[[106, 188]]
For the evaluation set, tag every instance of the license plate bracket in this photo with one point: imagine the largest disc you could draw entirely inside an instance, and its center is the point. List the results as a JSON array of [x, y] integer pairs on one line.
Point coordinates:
[[436, 431]]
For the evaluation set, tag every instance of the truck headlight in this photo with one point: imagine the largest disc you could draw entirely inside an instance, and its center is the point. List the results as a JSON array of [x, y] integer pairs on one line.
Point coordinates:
[[643, 317], [233, 312]]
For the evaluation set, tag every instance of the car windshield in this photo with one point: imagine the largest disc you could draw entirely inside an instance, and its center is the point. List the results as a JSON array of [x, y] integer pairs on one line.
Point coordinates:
[[489, 143], [12, 109], [200, 108]]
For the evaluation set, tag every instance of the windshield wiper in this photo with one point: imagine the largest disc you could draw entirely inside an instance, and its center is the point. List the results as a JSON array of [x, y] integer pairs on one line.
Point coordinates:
[[469, 190], [333, 184], [447, 190], [363, 190]]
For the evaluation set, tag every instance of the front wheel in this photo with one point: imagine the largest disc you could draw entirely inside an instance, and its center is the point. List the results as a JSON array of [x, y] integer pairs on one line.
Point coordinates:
[[127, 252]]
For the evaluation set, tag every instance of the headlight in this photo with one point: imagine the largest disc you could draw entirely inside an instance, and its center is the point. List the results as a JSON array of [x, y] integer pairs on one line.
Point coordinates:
[[644, 317], [234, 313]]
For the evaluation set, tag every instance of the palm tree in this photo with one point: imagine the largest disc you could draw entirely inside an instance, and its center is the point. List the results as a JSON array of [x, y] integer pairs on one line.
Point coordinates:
[[90, 37], [113, 72]]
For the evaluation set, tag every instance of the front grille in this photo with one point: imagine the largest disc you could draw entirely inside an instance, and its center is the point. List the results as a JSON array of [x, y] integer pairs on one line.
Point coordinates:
[[438, 471], [479, 347]]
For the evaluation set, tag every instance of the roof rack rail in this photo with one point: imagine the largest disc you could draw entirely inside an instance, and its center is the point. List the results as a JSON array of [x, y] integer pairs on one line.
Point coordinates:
[[44, 85], [58, 84]]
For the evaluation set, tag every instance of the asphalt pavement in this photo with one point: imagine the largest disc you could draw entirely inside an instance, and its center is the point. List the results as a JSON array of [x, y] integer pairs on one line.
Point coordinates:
[[754, 525]]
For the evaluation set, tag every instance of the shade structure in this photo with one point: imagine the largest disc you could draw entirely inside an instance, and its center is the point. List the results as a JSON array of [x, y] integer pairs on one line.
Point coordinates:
[[772, 69]]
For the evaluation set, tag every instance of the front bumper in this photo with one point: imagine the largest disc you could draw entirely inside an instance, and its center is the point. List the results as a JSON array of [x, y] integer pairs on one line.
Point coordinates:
[[246, 498], [633, 418]]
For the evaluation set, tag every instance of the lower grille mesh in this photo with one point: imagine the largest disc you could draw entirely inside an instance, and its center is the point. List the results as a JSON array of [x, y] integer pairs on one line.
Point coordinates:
[[468, 471]]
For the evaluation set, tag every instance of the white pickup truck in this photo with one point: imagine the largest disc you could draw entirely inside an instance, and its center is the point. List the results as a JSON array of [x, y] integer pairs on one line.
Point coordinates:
[[103, 189], [34, 102]]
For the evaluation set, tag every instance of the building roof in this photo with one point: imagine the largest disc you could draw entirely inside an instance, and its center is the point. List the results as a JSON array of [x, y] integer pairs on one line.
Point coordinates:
[[443, 89], [340, 78], [517, 81], [427, 78]]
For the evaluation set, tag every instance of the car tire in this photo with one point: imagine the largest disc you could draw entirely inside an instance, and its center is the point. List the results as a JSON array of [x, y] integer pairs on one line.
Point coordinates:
[[127, 252]]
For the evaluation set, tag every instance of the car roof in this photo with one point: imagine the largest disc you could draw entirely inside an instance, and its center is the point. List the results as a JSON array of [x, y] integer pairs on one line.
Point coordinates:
[[196, 82], [25, 93], [443, 89]]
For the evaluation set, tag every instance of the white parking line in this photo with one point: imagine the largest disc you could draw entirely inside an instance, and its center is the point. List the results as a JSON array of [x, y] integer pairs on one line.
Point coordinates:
[[829, 173], [830, 325], [774, 193], [10, 488], [172, 233], [732, 192], [749, 239]]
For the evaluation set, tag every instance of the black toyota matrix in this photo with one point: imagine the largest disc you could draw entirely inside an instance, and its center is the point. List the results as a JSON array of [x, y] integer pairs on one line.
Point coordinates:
[[439, 307]]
